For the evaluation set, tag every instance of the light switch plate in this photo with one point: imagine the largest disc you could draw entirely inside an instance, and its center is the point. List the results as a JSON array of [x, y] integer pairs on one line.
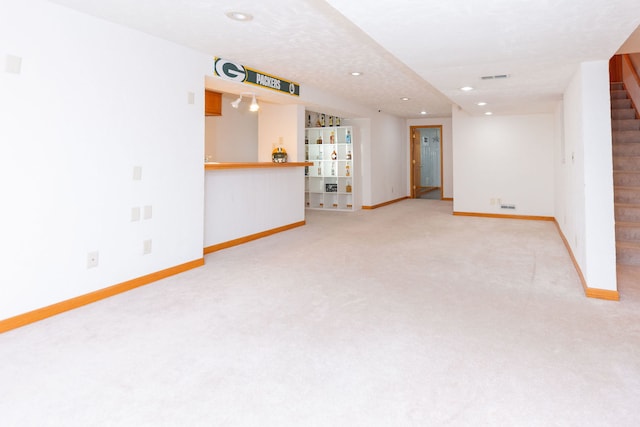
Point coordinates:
[[137, 173], [135, 214], [13, 64]]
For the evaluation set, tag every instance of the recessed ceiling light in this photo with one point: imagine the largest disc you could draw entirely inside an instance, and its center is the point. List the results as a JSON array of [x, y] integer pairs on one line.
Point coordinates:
[[466, 88], [404, 98], [239, 16], [481, 103], [423, 112], [356, 73], [488, 113]]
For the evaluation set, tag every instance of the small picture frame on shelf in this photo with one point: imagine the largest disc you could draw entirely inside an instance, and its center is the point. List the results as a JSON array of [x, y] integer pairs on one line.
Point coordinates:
[[331, 188]]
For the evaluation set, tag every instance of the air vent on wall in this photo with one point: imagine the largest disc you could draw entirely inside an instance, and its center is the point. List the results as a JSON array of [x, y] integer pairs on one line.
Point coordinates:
[[497, 76]]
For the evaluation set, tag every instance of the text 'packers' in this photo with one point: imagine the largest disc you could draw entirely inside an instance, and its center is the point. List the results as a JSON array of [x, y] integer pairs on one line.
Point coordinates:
[[267, 81]]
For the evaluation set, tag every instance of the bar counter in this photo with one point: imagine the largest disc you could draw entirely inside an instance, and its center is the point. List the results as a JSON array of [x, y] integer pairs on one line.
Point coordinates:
[[246, 201]]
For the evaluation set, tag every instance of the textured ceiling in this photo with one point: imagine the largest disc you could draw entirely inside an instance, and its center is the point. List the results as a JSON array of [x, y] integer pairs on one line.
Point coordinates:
[[424, 50]]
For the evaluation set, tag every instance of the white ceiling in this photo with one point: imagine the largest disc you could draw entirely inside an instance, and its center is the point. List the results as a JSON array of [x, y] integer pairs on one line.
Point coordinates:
[[421, 49]]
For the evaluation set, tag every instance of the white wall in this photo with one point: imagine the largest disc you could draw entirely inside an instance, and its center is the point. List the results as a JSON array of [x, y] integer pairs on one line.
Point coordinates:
[[584, 209], [447, 150], [232, 137], [507, 159], [281, 122], [92, 101], [380, 143]]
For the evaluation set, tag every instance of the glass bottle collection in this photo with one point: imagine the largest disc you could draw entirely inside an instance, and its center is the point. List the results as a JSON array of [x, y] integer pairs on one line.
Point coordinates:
[[321, 120], [329, 181]]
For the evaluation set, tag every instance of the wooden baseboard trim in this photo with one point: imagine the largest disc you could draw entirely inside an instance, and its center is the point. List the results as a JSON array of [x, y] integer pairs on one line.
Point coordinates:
[[386, 203], [79, 301], [589, 292], [488, 215], [447, 199], [241, 240]]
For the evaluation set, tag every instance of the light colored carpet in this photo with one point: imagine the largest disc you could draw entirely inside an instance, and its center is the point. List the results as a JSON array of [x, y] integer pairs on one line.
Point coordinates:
[[400, 316]]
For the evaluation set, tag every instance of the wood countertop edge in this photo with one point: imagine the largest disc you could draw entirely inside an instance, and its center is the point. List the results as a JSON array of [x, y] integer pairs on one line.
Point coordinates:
[[250, 165]]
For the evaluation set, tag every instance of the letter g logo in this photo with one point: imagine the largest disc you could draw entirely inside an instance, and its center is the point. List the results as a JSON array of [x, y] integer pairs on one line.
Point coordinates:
[[230, 70]]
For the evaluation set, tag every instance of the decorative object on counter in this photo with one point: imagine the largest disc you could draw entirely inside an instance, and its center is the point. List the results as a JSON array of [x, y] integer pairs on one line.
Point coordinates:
[[279, 155]]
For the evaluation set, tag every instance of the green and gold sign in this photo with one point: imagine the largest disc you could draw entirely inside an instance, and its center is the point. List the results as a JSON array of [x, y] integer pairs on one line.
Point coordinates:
[[239, 73]]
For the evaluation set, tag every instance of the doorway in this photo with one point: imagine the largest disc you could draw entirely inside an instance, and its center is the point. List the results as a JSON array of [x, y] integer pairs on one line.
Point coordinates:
[[426, 162]]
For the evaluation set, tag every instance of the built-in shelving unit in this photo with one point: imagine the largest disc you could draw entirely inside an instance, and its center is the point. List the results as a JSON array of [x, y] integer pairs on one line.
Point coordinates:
[[329, 182]]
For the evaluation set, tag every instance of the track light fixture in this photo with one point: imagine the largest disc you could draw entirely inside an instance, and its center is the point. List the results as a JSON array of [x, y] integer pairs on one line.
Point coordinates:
[[235, 103], [254, 104]]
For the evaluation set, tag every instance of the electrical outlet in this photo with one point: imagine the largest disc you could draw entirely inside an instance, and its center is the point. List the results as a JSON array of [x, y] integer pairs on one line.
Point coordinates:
[[92, 259], [146, 247]]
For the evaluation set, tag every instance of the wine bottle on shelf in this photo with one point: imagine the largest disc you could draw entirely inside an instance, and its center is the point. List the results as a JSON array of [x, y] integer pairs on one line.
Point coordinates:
[[347, 138], [337, 121], [333, 169], [334, 155], [349, 155], [309, 121], [322, 120], [348, 187], [330, 121], [348, 172], [332, 138]]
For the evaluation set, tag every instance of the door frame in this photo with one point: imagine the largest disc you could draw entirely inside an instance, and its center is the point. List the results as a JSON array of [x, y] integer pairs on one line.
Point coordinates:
[[412, 140]]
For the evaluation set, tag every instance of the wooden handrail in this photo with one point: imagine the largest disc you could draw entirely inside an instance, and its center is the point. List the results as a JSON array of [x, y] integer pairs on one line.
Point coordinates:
[[633, 70], [631, 82]]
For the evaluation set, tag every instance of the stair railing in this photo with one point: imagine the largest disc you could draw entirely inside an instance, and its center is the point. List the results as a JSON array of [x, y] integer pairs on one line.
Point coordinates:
[[631, 82]]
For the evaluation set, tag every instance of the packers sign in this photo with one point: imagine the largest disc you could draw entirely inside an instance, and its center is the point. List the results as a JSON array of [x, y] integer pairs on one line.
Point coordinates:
[[239, 73]]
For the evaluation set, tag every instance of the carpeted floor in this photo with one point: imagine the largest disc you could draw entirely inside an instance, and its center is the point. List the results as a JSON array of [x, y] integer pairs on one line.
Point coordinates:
[[400, 316]]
